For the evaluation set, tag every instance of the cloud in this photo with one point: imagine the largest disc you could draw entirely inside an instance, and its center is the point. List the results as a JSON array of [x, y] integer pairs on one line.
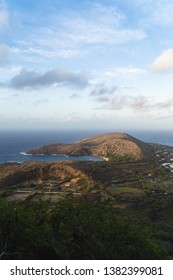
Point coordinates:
[[155, 12], [102, 28], [32, 79], [41, 101], [75, 32], [163, 15], [102, 99], [166, 104], [4, 55], [136, 103], [164, 62], [103, 24], [102, 89], [74, 96], [117, 102], [162, 117], [140, 103], [130, 70], [124, 71], [45, 50]]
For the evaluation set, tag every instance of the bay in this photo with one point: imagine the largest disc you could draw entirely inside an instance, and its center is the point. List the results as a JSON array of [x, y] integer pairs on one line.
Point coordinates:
[[14, 142]]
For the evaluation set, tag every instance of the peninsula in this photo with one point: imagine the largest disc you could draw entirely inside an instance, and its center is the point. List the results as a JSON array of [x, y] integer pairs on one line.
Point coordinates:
[[109, 146]]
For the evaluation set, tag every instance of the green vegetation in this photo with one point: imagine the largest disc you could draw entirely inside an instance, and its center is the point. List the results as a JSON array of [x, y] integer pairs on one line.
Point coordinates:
[[122, 159], [116, 209], [72, 230]]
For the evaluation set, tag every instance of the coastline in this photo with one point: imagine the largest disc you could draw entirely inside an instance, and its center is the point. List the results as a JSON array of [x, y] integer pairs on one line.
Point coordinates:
[[24, 141], [105, 158]]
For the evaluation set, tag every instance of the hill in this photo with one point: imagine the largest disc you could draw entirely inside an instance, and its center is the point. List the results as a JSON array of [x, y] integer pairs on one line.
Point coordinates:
[[109, 146], [128, 198]]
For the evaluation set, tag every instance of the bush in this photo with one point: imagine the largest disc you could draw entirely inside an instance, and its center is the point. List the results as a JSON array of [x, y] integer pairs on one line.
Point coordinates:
[[72, 230]]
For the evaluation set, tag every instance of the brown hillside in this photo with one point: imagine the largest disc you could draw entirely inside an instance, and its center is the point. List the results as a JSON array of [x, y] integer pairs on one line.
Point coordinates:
[[106, 145], [41, 171]]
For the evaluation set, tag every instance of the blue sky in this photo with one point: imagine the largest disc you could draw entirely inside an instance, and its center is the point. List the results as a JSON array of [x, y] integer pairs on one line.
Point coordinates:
[[86, 64]]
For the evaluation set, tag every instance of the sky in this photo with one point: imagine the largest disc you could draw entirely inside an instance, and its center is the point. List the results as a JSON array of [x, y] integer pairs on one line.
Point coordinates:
[[71, 64]]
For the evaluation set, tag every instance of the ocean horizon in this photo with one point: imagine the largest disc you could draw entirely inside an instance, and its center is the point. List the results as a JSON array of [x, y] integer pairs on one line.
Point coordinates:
[[14, 143]]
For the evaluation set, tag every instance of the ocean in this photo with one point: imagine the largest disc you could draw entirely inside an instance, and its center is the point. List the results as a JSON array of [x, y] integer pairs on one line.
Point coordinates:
[[14, 143]]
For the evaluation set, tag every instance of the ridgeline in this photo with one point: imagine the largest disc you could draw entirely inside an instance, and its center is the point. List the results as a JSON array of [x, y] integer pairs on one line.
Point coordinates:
[[108, 146]]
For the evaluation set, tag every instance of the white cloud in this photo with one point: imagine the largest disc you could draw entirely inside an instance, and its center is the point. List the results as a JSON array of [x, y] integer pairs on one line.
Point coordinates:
[[124, 71], [74, 33], [164, 62], [166, 104], [130, 70], [48, 53], [102, 24], [117, 102], [139, 104]]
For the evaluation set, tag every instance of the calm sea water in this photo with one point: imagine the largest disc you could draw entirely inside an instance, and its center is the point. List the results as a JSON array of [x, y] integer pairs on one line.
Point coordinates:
[[12, 143]]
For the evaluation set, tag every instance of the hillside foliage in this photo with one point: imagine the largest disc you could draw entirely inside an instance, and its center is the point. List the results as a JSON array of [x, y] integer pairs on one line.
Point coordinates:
[[72, 230]]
